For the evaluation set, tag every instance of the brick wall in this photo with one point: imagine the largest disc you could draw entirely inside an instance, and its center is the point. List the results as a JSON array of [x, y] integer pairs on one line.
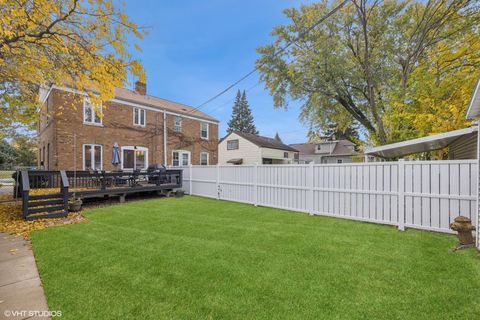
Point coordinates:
[[117, 127]]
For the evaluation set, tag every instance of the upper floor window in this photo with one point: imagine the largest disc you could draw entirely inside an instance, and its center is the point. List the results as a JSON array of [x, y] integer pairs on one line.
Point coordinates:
[[232, 144], [285, 155], [204, 158], [204, 130], [319, 147], [139, 117], [177, 123], [91, 114]]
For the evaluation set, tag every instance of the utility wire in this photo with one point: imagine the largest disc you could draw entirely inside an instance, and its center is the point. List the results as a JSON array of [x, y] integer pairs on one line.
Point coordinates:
[[300, 36], [231, 100]]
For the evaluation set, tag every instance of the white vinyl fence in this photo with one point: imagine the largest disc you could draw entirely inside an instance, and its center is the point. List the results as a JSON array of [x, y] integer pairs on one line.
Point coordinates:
[[417, 194]]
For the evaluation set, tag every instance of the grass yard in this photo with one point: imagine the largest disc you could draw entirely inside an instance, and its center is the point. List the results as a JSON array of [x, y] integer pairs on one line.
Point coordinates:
[[195, 258]]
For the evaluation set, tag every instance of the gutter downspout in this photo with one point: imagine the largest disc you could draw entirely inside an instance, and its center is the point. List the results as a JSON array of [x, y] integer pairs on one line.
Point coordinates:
[[164, 139]]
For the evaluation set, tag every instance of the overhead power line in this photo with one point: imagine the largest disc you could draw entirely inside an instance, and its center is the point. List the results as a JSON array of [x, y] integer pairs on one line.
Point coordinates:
[[300, 36]]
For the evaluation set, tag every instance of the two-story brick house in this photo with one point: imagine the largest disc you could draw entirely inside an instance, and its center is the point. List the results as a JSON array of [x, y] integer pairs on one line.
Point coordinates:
[[72, 134]]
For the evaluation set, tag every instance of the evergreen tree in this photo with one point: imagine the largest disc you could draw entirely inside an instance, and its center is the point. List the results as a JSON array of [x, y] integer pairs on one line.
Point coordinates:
[[277, 137], [242, 118]]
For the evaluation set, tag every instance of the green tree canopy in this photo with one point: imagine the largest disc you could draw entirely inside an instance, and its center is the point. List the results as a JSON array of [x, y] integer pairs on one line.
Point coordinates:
[[79, 43], [360, 65]]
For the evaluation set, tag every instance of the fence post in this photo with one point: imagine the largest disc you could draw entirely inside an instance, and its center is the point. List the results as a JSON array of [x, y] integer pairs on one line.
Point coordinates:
[[255, 184], [218, 182], [190, 184], [310, 184], [401, 194]]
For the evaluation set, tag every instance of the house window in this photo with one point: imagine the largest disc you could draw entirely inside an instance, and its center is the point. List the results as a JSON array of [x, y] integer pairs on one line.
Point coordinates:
[[134, 158], [204, 158], [339, 161], [285, 155], [180, 158], [232, 145], [92, 157], [204, 130], [177, 124], [319, 147], [139, 117], [91, 114]]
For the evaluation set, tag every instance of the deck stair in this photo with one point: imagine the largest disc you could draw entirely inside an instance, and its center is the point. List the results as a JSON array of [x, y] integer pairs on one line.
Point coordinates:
[[53, 205]]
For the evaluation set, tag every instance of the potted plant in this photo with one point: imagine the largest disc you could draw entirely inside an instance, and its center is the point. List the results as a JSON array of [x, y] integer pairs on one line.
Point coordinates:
[[74, 204]]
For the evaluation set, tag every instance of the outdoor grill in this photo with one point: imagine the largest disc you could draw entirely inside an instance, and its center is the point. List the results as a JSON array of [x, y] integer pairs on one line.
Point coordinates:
[[162, 173]]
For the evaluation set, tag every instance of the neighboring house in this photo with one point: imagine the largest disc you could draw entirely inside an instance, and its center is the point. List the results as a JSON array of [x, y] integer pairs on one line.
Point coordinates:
[[461, 144], [473, 113], [326, 151], [246, 148], [148, 130]]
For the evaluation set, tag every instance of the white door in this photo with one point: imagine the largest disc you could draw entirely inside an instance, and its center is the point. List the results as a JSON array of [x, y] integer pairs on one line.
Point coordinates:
[[180, 158]]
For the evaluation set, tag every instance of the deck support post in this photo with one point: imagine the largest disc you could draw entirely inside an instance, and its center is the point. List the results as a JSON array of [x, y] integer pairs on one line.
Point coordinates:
[[122, 198]]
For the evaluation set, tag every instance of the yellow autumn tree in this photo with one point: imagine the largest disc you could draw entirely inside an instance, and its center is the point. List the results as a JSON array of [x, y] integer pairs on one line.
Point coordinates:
[[85, 44], [439, 90]]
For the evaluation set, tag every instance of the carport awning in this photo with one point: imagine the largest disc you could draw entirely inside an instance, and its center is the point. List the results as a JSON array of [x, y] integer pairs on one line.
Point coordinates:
[[235, 161], [430, 143]]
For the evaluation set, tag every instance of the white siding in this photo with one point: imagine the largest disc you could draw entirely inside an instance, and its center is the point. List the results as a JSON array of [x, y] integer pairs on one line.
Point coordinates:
[[317, 159], [277, 154], [249, 152]]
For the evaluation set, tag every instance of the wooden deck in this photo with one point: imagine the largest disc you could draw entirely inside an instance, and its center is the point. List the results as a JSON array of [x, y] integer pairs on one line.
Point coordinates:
[[46, 193]]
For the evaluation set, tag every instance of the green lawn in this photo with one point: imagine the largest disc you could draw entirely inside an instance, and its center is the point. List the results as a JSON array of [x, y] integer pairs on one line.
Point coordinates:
[[195, 258]]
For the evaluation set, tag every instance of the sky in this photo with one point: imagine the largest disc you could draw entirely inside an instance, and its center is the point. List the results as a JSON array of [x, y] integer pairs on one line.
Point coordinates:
[[194, 49]]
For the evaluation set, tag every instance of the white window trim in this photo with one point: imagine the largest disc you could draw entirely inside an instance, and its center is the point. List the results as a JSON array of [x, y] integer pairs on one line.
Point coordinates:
[[208, 130], [208, 158], [180, 126], [180, 152], [83, 155], [144, 117], [134, 160], [232, 140], [92, 123]]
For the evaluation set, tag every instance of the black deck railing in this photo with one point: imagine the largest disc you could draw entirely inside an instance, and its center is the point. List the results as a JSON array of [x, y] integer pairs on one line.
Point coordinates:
[[85, 184]]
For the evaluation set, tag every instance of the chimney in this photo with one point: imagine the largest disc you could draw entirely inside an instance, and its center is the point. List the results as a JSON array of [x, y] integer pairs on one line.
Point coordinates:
[[140, 87]]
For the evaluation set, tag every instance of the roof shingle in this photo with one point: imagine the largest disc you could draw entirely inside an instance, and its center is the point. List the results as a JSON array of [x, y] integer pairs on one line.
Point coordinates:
[[264, 142]]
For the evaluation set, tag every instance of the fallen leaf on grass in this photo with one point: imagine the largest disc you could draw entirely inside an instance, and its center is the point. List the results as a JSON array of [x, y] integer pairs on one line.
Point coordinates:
[[11, 220]]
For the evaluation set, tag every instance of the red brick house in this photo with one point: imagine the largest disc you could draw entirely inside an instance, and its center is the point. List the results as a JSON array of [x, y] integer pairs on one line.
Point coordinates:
[[72, 134]]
